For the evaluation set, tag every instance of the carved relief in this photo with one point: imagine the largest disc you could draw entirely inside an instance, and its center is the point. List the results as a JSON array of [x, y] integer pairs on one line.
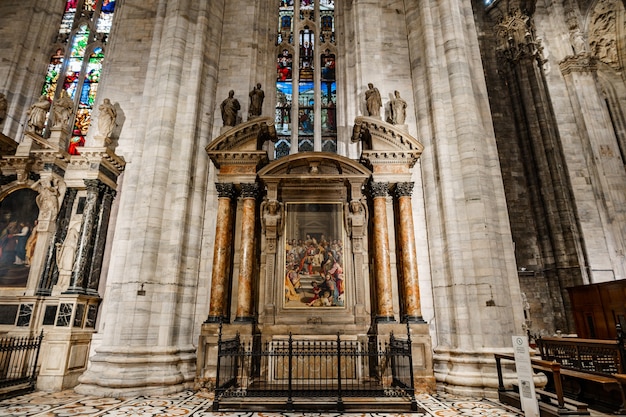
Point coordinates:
[[603, 33]]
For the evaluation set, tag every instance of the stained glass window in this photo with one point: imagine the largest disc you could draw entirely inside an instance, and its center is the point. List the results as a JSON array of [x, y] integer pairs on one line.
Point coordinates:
[[77, 60], [306, 96]]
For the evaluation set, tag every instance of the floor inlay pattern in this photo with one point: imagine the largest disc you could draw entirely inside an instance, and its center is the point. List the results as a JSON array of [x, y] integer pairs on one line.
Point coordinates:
[[70, 404]]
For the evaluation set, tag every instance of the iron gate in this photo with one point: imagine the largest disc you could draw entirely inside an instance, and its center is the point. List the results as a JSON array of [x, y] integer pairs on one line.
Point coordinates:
[[18, 363], [334, 371]]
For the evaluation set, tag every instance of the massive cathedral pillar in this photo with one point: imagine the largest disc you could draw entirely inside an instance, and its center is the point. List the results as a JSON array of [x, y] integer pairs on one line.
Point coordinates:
[[245, 303], [382, 260], [598, 116], [409, 291], [562, 258], [220, 282], [150, 315], [470, 248]]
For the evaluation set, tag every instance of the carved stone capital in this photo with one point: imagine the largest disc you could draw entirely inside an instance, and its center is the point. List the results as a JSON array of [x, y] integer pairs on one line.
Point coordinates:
[[225, 190], [404, 189], [516, 38], [250, 190], [379, 189]]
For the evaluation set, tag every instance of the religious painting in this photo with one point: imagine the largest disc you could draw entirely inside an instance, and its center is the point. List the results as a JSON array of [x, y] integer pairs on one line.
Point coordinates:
[[18, 235], [314, 259]]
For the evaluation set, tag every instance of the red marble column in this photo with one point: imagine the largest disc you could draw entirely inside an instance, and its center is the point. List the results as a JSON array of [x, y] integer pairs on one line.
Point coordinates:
[[410, 292], [382, 260], [249, 194], [221, 252]]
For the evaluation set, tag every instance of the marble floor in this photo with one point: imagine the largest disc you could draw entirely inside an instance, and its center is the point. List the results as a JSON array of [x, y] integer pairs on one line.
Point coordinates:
[[68, 403]]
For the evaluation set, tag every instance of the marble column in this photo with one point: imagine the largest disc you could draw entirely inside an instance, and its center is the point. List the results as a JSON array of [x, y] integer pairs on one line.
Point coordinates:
[[50, 272], [382, 260], [100, 240], [221, 253], [410, 292], [84, 248], [249, 193]]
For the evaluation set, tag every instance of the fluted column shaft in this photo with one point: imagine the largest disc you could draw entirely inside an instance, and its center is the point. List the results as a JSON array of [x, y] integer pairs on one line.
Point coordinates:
[[221, 252], [85, 241], [382, 260], [410, 292], [100, 240], [249, 194]]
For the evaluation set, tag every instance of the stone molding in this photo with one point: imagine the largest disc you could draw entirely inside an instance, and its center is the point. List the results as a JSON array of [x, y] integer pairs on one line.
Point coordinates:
[[248, 136], [579, 63]]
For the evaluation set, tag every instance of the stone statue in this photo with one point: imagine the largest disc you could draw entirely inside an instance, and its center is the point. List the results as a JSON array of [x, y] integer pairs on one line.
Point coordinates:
[[106, 118], [355, 218], [62, 110], [373, 101], [256, 101], [230, 107], [3, 107], [272, 220], [37, 114], [398, 109], [48, 198], [66, 253]]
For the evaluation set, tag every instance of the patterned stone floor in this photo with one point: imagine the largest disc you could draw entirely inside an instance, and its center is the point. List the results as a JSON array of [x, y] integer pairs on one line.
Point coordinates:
[[68, 403]]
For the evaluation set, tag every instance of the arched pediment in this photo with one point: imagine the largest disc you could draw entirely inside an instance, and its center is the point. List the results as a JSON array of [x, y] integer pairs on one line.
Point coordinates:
[[248, 136], [314, 169], [312, 166]]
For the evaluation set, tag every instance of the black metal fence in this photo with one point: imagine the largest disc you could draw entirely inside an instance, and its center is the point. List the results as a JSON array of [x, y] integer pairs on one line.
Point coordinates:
[[331, 371], [18, 362]]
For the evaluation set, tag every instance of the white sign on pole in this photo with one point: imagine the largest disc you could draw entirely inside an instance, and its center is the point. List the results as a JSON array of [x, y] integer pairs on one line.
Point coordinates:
[[527, 394]]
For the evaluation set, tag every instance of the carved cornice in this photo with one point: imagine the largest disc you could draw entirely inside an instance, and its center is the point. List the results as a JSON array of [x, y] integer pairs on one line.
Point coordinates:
[[579, 63], [255, 158], [95, 163], [248, 136], [372, 158]]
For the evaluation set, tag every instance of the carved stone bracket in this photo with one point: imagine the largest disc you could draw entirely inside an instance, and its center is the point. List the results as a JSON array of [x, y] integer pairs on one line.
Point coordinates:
[[579, 63]]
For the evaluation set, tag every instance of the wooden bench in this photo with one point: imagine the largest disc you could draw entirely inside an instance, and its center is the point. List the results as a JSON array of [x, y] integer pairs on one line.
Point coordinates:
[[590, 364], [550, 404]]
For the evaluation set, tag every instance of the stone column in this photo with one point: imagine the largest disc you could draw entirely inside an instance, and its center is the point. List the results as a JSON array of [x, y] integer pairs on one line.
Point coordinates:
[[521, 64], [221, 253], [50, 272], [249, 193], [84, 248], [100, 240], [382, 260], [410, 291]]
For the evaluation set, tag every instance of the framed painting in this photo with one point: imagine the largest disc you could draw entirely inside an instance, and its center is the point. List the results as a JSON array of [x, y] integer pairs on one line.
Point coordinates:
[[314, 259], [18, 218]]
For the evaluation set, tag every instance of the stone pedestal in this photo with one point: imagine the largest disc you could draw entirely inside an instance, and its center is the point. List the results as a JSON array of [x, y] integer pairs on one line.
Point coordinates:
[[422, 352]]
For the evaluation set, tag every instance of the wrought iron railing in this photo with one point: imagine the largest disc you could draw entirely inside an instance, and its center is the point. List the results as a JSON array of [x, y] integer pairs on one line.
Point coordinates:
[[331, 370], [18, 362]]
